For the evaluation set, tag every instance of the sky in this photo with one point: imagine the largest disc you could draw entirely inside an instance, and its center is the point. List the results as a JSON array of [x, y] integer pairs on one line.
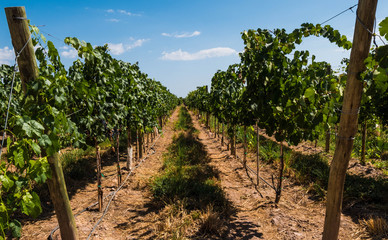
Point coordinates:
[[180, 43]]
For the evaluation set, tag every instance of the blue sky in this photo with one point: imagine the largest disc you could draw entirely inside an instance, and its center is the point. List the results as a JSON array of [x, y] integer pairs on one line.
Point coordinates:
[[180, 43]]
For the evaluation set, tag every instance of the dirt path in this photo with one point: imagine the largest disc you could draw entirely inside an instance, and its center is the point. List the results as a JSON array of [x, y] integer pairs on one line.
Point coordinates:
[[256, 217], [131, 214], [134, 215]]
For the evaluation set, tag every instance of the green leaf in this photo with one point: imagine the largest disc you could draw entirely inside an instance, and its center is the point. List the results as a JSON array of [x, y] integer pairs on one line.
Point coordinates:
[[31, 204], [45, 141], [3, 208], [382, 56], [384, 28], [31, 127], [7, 183], [16, 228], [35, 147], [19, 158], [310, 94]]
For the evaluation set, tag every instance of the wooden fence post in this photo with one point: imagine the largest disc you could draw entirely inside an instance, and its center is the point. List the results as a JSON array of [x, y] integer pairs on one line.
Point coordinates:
[[349, 117], [20, 34]]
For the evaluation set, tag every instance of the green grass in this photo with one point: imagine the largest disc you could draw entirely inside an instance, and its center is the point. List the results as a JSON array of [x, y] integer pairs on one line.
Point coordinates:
[[312, 171], [189, 184], [187, 177], [184, 120], [76, 164]]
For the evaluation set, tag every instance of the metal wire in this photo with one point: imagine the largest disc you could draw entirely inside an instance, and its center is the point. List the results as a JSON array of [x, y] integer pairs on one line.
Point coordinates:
[[10, 94], [256, 174], [339, 14], [50, 237], [368, 30], [118, 189]]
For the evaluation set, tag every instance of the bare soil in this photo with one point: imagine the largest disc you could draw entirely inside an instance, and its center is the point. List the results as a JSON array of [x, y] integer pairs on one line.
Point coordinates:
[[257, 217], [131, 214], [134, 215]]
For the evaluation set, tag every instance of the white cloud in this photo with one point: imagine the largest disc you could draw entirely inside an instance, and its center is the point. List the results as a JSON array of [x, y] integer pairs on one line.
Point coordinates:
[[113, 20], [120, 48], [123, 12], [137, 43], [69, 52], [6, 55], [202, 54], [182, 35], [116, 49], [166, 34]]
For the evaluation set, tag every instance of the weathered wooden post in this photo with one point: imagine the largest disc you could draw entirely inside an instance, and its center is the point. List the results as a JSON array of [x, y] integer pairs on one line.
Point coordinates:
[[21, 41], [349, 117]]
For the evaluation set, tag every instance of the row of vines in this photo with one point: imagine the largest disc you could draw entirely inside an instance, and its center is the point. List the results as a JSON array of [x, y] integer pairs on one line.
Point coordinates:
[[291, 95], [96, 98]]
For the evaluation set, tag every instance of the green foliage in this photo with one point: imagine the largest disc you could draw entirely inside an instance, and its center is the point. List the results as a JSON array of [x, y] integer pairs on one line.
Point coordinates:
[[376, 79], [289, 96], [63, 108]]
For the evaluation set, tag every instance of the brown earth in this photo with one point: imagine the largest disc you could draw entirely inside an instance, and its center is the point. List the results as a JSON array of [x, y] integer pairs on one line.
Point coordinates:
[[295, 217], [133, 214]]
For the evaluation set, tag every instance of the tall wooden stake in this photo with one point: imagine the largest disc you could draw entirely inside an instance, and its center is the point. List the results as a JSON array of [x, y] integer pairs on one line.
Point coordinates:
[[129, 149], [20, 34], [222, 134], [118, 158], [349, 117], [99, 175], [245, 146], [281, 169], [363, 142], [58, 194], [258, 154], [327, 144]]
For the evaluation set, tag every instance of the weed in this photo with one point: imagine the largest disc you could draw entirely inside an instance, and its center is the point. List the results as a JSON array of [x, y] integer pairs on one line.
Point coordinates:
[[211, 222], [76, 165], [188, 187], [184, 120], [311, 170], [376, 226]]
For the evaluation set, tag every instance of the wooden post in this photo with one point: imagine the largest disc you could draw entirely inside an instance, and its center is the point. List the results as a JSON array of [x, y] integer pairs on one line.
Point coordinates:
[[363, 142], [222, 134], [118, 158], [140, 141], [258, 154], [280, 182], [233, 141], [20, 35], [129, 149], [217, 128], [58, 194], [245, 147], [137, 144], [143, 142], [349, 117], [228, 137], [327, 145], [99, 175]]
